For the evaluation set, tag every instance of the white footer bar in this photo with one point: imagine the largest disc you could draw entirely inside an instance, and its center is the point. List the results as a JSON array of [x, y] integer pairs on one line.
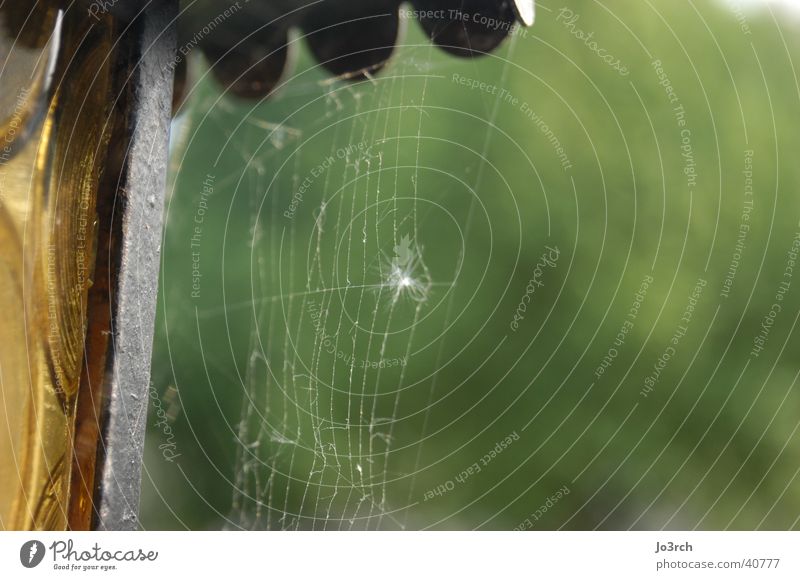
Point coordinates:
[[402, 556]]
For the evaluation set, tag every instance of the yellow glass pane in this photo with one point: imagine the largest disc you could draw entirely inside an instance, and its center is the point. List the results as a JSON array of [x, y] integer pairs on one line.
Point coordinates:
[[52, 148]]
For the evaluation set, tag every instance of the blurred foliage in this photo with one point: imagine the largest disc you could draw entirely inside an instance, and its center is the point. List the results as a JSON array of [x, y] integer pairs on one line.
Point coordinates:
[[713, 445]]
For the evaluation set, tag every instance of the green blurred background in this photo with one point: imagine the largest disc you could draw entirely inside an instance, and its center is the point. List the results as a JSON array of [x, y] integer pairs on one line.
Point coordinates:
[[302, 385]]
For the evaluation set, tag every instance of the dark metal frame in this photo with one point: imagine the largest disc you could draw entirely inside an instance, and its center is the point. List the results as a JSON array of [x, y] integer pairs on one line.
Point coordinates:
[[138, 216]]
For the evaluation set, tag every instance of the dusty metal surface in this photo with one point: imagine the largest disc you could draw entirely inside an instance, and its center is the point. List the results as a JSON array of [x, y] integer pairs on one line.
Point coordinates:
[[138, 211]]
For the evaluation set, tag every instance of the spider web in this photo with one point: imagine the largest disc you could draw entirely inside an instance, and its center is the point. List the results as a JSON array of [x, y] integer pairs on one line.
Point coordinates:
[[390, 340], [344, 301]]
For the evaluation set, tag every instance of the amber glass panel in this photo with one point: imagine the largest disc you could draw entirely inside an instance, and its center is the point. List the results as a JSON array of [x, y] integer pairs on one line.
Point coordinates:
[[54, 110]]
